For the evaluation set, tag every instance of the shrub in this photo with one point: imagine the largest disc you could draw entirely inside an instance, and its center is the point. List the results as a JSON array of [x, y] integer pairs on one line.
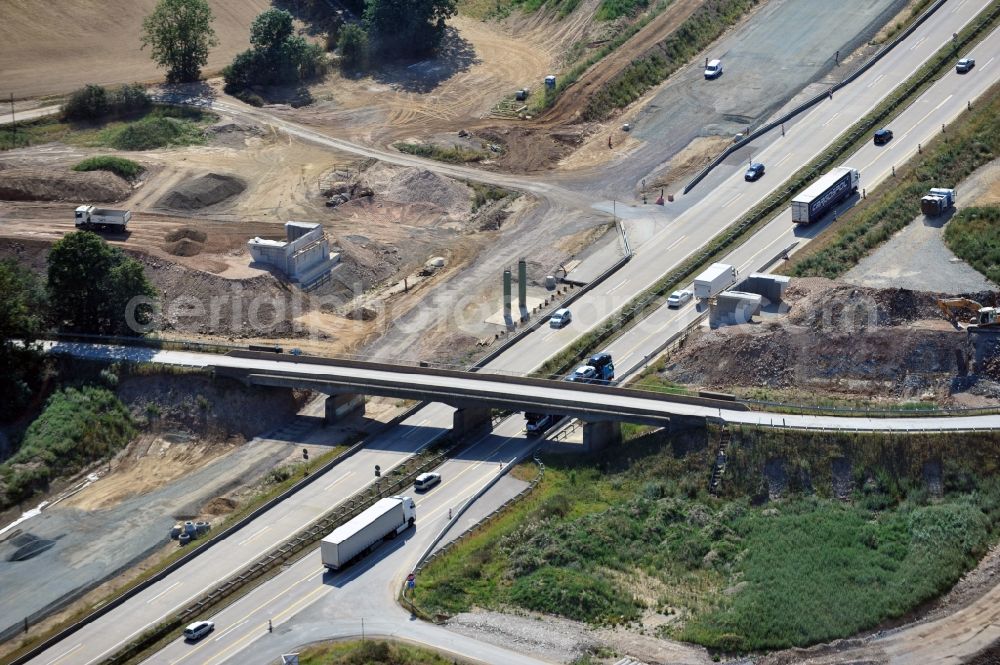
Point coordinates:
[[120, 166], [353, 47], [88, 103]]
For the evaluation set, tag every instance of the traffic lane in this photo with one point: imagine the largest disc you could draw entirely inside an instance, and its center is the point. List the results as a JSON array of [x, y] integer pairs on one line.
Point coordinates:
[[378, 576], [183, 586]]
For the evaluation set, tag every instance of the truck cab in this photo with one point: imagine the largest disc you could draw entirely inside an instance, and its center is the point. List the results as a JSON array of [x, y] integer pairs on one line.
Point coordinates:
[[604, 367]]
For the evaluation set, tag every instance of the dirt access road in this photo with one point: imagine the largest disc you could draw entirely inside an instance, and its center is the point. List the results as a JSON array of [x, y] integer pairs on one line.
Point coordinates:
[[97, 41]]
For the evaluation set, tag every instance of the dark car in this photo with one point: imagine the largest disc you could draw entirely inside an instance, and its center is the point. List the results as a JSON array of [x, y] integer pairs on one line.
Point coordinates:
[[883, 136], [965, 65], [755, 171]]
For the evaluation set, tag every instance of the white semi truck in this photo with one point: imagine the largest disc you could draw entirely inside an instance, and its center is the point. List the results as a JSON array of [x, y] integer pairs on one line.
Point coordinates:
[[717, 278], [385, 519], [817, 199], [91, 217]]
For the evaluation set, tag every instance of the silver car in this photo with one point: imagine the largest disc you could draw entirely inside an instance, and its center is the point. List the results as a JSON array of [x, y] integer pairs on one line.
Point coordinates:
[[678, 298]]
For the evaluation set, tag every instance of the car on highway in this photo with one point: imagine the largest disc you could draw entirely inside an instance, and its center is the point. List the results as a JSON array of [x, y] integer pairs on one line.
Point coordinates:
[[560, 318], [754, 171], [678, 298], [965, 65], [198, 630], [713, 69], [537, 423], [425, 481], [583, 374], [882, 136]]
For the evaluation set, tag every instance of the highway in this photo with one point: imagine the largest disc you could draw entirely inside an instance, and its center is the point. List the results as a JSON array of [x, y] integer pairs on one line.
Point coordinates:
[[685, 227]]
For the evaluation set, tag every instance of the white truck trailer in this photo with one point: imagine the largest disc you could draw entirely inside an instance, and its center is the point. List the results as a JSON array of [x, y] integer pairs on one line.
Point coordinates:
[[717, 278], [385, 519], [819, 197], [91, 217]]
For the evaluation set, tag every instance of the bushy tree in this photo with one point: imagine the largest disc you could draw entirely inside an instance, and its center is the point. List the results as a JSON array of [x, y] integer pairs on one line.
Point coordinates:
[[88, 103], [407, 27], [179, 33], [90, 286], [130, 98], [353, 47], [276, 55], [22, 309]]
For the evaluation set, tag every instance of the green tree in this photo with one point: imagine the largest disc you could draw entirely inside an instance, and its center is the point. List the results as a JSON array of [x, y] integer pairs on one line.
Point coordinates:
[[407, 27], [21, 320], [276, 55], [180, 34], [88, 103], [353, 47], [91, 284]]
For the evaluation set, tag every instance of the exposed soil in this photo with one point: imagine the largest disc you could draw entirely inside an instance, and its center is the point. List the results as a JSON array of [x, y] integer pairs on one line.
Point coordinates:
[[836, 339], [202, 191], [97, 41], [27, 184]]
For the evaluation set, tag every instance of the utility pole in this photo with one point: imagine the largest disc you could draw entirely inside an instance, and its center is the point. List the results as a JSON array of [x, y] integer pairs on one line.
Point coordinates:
[[13, 123]]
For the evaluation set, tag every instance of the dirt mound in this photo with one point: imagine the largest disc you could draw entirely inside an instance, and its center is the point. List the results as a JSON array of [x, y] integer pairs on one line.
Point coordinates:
[[20, 184], [202, 191], [416, 185], [836, 339], [184, 247], [188, 232], [220, 505]]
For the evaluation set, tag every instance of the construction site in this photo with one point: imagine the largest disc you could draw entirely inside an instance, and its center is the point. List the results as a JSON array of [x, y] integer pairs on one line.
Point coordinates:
[[335, 222]]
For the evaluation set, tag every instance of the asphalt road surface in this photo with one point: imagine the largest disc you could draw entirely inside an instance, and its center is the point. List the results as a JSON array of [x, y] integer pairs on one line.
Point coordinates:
[[673, 239]]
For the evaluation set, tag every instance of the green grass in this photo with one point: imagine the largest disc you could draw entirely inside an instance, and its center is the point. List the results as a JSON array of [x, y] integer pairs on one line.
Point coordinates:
[[79, 426], [452, 155], [974, 235], [370, 652], [483, 193], [700, 29], [612, 9], [34, 132], [120, 166], [606, 538]]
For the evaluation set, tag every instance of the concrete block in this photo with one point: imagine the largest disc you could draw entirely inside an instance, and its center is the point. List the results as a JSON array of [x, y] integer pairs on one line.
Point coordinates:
[[339, 407], [601, 434], [469, 420]]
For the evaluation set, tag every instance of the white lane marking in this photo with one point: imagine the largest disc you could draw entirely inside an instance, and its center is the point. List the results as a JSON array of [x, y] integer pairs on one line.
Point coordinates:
[[732, 200], [918, 123], [958, 6], [163, 592], [618, 286], [58, 658], [918, 42], [783, 160], [256, 533], [832, 118], [676, 242], [987, 63], [344, 477], [874, 82], [229, 630]]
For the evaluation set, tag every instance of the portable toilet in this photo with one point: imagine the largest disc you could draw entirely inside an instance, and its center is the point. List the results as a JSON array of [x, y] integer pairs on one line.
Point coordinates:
[[550, 82]]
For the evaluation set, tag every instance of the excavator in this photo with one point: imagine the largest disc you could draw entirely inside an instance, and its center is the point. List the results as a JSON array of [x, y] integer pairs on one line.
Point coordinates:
[[976, 314]]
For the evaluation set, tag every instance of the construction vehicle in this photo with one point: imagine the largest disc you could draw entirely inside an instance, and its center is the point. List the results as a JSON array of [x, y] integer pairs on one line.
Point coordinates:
[[91, 217], [976, 314], [937, 201]]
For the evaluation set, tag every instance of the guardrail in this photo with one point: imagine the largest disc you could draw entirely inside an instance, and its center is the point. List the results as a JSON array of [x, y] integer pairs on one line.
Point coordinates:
[[764, 129]]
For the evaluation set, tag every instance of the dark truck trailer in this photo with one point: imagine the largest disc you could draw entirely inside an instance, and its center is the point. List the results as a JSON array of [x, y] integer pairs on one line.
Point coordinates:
[[822, 195]]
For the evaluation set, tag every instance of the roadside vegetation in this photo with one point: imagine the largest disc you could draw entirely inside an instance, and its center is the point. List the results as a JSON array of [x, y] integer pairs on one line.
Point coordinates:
[[370, 652], [974, 235], [93, 103], [628, 534], [484, 193], [451, 155], [78, 427], [163, 127], [22, 320], [120, 166], [953, 155]]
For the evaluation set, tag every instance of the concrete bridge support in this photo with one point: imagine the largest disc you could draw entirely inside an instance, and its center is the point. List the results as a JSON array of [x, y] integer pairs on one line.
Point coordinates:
[[685, 423], [599, 435], [469, 420], [339, 407]]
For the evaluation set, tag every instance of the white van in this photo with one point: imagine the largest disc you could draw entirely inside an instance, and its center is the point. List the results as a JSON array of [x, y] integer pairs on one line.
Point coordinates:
[[713, 69], [198, 630]]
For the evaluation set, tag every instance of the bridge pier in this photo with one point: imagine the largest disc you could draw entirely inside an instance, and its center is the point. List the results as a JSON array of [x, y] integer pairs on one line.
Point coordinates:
[[685, 423], [600, 434], [341, 406], [470, 419]]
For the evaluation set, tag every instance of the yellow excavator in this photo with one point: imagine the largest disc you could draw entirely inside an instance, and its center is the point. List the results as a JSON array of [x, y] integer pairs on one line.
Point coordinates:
[[974, 313]]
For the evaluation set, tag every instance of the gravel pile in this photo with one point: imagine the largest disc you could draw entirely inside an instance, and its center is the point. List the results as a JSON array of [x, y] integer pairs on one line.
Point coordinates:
[[19, 184], [202, 191], [416, 185]]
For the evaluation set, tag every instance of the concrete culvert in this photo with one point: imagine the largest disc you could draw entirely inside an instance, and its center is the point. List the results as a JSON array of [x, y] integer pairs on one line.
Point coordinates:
[[201, 527], [176, 531], [184, 538]]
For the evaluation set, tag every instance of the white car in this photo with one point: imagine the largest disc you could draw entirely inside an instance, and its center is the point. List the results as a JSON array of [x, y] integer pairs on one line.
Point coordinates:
[[425, 481], [198, 630], [560, 318], [713, 69], [678, 298]]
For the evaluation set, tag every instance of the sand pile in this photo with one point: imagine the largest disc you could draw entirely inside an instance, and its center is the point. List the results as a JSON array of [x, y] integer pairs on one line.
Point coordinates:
[[185, 241], [416, 185], [202, 191], [23, 184]]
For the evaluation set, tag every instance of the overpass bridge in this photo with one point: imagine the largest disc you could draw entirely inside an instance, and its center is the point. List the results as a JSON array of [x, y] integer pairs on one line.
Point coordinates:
[[474, 394]]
